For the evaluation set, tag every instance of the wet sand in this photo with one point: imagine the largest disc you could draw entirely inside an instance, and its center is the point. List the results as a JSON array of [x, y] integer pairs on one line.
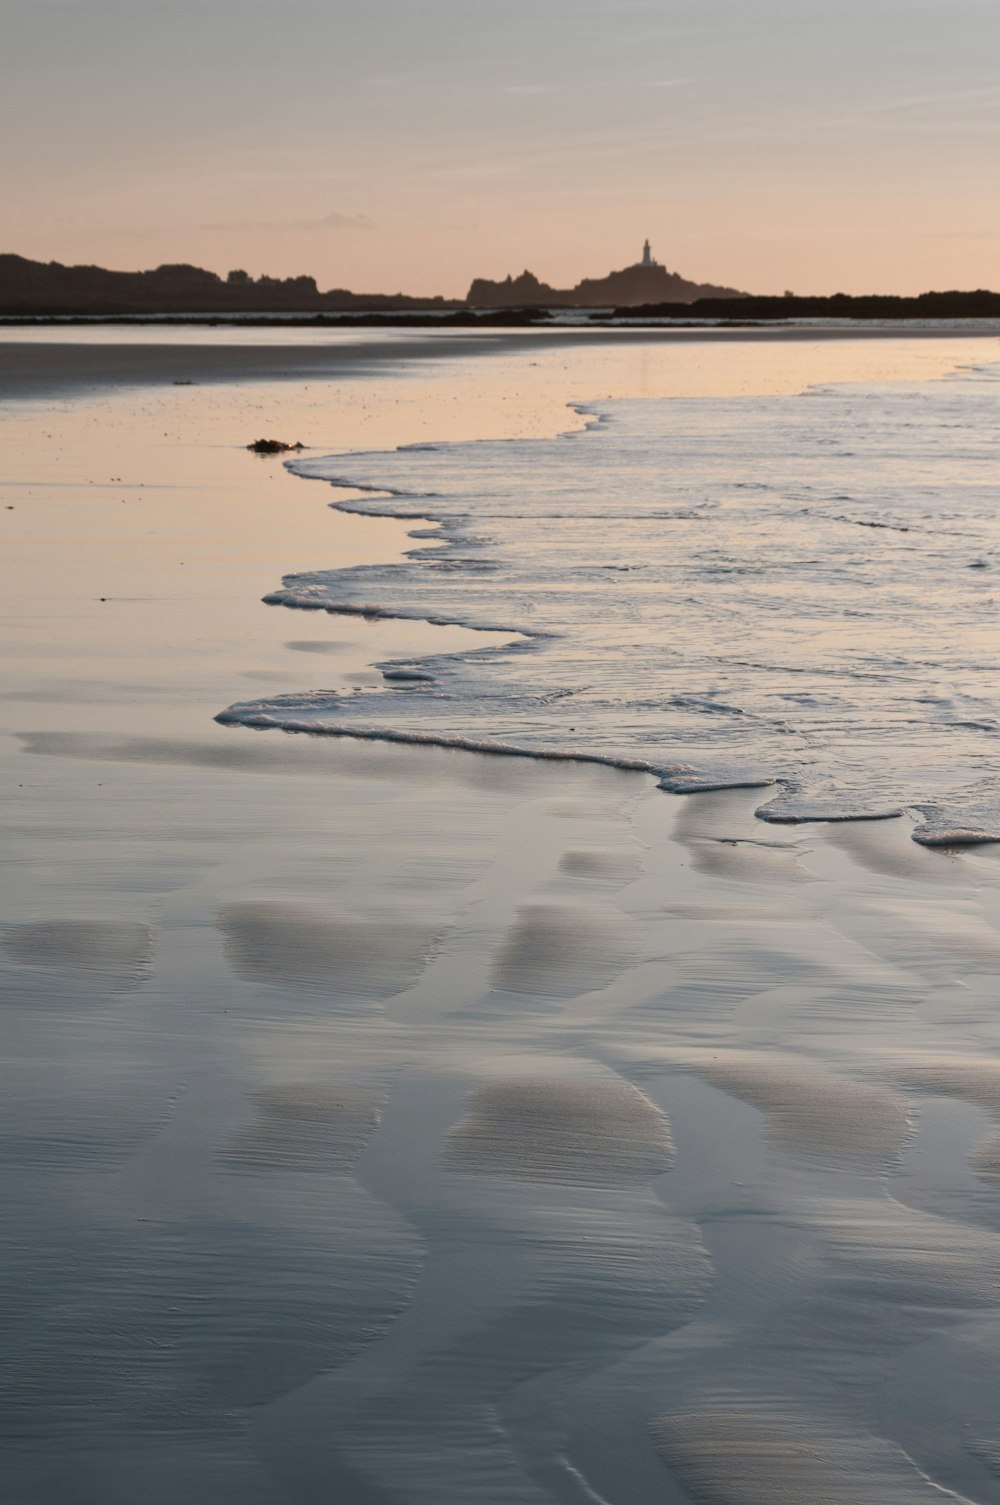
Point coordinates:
[[392, 1124], [49, 361]]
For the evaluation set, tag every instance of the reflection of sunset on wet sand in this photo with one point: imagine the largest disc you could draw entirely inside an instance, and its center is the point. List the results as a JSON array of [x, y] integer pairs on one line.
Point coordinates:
[[398, 1123]]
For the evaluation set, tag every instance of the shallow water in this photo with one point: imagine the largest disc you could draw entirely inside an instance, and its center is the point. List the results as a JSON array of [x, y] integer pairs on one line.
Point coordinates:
[[405, 1126], [723, 590]]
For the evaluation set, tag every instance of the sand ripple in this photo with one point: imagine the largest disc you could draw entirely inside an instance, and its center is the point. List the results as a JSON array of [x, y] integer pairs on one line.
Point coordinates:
[[114, 952], [975, 1081], [743, 1458], [604, 864], [812, 1111], [560, 950], [281, 943], [307, 1127], [598, 1132], [892, 1251]]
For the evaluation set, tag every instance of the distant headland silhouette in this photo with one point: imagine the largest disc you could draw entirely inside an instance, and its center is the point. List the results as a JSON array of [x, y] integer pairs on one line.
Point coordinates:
[[38, 288], [645, 291], [646, 281]]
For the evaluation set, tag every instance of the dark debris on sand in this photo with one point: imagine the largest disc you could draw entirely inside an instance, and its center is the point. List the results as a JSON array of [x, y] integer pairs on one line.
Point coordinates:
[[272, 447]]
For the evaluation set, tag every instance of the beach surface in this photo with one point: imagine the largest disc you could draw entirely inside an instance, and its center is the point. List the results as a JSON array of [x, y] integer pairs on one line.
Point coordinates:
[[405, 1125]]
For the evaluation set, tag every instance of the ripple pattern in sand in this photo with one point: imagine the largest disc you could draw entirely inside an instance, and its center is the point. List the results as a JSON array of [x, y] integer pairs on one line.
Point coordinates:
[[114, 953], [812, 1112], [556, 950], [599, 1132], [307, 1126], [747, 1458], [279, 943]]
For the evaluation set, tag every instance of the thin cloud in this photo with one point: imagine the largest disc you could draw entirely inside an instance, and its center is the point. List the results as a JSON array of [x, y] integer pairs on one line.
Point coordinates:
[[335, 220], [985, 95], [614, 85]]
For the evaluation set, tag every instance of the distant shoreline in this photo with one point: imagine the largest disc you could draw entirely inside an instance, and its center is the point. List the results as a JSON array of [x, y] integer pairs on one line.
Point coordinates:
[[646, 291], [583, 321]]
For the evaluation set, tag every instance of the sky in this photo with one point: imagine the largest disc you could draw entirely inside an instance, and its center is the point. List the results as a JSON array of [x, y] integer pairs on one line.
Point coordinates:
[[410, 145]]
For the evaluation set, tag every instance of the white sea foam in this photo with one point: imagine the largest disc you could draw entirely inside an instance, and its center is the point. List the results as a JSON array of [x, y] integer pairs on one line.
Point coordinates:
[[715, 591]]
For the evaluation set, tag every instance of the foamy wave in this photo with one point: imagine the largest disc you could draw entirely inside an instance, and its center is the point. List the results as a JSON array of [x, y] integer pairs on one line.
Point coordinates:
[[687, 599], [292, 714]]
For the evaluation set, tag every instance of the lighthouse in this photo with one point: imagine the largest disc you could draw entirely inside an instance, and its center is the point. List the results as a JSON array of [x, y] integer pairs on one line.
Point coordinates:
[[647, 255]]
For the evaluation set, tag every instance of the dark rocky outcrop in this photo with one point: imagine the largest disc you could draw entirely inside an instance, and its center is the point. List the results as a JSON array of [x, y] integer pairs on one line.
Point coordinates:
[[48, 288], [639, 284]]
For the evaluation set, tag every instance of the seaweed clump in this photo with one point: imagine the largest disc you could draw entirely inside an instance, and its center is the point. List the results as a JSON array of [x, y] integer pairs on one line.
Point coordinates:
[[272, 447]]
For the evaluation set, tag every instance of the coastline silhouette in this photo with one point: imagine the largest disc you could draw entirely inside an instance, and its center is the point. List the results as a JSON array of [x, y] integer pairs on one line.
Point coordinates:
[[645, 290]]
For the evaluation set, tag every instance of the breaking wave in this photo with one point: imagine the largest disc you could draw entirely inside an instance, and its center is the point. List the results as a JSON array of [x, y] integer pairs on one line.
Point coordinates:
[[717, 591]]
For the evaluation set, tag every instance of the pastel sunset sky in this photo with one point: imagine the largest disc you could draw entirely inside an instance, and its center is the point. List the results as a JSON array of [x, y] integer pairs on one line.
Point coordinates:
[[411, 144]]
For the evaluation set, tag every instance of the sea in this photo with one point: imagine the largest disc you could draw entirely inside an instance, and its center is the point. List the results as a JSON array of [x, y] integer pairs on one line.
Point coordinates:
[[796, 592]]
